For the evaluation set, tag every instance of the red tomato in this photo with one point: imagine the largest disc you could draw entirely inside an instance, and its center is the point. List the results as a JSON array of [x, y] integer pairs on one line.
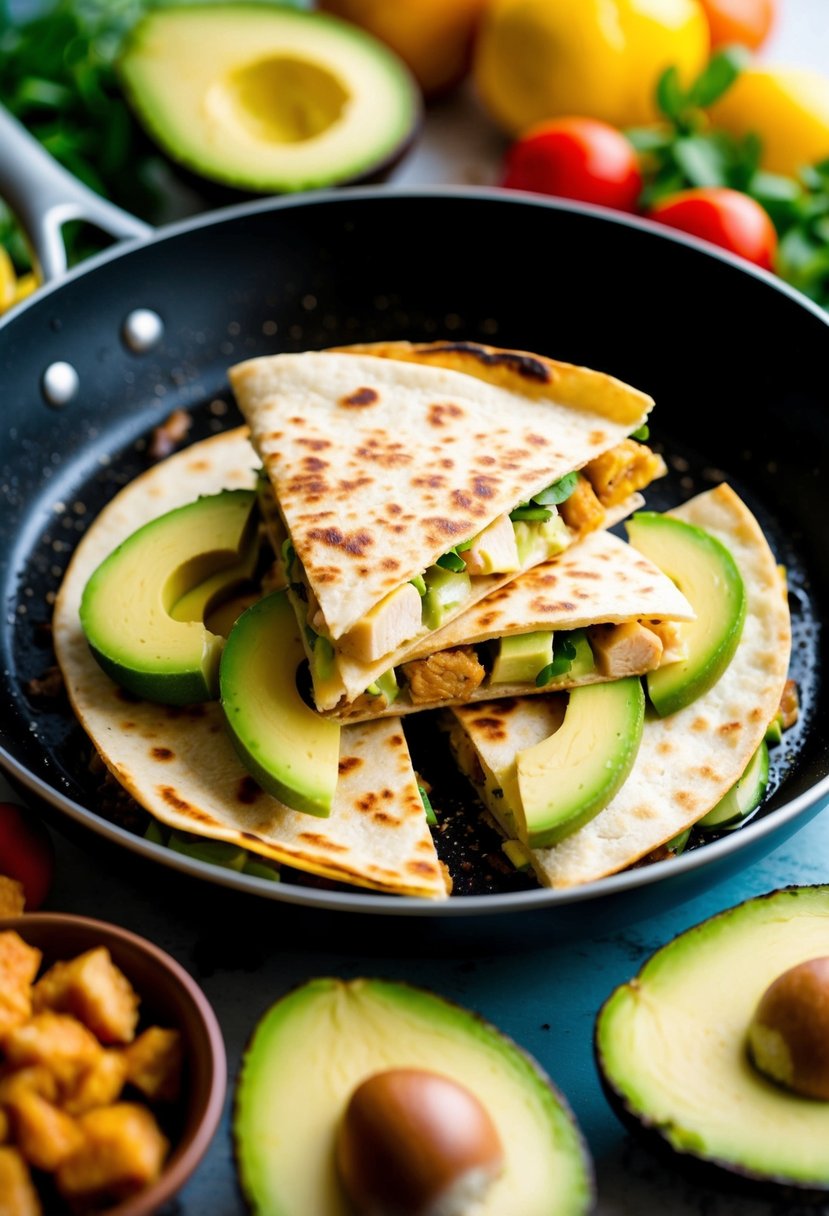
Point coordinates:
[[725, 218], [576, 158], [744, 21], [26, 853]]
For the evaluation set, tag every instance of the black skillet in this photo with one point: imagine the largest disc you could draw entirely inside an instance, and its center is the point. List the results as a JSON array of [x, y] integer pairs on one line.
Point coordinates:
[[737, 363]]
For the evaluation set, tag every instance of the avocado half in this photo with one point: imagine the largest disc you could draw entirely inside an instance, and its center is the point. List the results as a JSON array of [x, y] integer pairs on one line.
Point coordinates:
[[316, 1045], [671, 1048], [269, 99]]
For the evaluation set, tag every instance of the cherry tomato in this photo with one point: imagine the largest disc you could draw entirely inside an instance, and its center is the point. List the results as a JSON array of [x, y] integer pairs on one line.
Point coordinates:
[[744, 21], [725, 218], [578, 158], [26, 853]]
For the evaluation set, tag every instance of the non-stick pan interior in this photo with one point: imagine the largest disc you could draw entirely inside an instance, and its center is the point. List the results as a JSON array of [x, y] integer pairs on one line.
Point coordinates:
[[737, 367]]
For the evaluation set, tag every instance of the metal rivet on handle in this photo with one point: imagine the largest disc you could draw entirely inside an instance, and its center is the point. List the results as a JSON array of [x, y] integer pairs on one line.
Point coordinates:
[[59, 384], [142, 330]]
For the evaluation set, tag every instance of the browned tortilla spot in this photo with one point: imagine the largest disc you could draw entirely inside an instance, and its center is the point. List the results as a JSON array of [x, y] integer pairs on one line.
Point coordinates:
[[665, 747], [483, 486], [127, 725], [360, 396], [420, 867], [247, 791], [162, 753], [539, 605], [350, 542], [322, 842], [492, 728], [729, 728], [538, 441], [314, 463], [447, 527], [394, 508], [447, 463], [437, 413], [687, 799], [523, 365], [348, 764], [316, 445], [382, 817], [596, 437], [396, 740], [367, 801], [461, 500], [185, 808], [585, 574], [433, 481], [699, 724]]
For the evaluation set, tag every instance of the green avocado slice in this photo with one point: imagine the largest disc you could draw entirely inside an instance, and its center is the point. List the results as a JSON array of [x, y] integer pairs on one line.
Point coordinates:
[[266, 98], [128, 605], [291, 751], [287, 1112], [707, 575], [743, 798], [671, 1046], [565, 780]]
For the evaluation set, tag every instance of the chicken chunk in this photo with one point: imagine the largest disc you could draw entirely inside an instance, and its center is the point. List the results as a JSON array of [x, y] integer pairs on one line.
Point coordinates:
[[93, 989], [100, 1085], [44, 1134], [628, 467], [393, 621], [154, 1064], [624, 650], [122, 1151], [493, 551], [18, 1196], [674, 644], [12, 899], [582, 511], [55, 1041], [32, 1080], [18, 967], [446, 676], [789, 705]]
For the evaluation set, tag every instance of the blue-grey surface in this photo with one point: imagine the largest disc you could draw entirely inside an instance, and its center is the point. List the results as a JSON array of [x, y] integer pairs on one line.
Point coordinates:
[[520, 973]]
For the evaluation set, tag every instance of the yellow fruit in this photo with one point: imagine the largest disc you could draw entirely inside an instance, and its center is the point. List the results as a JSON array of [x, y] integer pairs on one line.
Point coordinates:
[[787, 107], [433, 37], [26, 285], [8, 281], [537, 59]]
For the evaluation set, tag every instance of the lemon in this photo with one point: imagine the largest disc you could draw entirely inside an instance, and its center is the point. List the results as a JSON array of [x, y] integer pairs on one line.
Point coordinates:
[[787, 107]]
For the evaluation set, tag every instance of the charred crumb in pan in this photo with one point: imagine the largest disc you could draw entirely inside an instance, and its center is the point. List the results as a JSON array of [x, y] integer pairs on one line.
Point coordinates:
[[47, 687], [169, 435]]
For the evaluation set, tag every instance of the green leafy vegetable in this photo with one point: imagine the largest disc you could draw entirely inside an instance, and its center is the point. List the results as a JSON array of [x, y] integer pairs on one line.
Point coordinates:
[[530, 513], [431, 817], [558, 492], [451, 561], [419, 583], [563, 654], [643, 433]]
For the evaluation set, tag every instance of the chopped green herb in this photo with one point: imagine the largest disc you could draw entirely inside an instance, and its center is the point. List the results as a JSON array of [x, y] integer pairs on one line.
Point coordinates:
[[451, 561], [558, 492], [419, 584], [529, 513], [431, 817], [564, 653], [642, 434], [288, 555], [311, 636], [374, 690]]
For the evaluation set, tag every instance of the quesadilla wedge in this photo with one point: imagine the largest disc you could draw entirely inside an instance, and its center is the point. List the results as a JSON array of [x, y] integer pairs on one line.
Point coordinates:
[[686, 761], [600, 611], [179, 762], [414, 480]]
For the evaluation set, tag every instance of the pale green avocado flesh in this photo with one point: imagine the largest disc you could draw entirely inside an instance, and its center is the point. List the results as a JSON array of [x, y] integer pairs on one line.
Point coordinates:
[[671, 1044], [291, 751], [708, 577], [565, 780], [266, 98], [743, 798], [311, 1050], [521, 657], [128, 609]]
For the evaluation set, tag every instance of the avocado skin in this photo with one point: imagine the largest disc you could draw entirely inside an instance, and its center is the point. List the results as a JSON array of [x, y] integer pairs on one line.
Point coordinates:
[[417, 994], [711, 1171]]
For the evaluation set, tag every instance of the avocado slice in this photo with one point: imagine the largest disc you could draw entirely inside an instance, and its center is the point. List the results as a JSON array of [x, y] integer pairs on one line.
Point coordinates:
[[266, 98], [671, 1046], [521, 657], [445, 589], [291, 751], [287, 1113], [743, 798], [565, 780], [708, 576], [128, 604], [214, 852]]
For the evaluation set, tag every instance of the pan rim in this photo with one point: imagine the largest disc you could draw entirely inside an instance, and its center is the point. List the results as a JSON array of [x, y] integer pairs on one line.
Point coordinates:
[[376, 903]]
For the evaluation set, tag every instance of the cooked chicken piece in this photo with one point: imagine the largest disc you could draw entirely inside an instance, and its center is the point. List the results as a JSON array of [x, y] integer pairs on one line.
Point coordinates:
[[93, 989], [12, 899], [123, 1150], [58, 1042], [582, 511], [446, 676], [18, 967], [32, 1080], [493, 551], [674, 645], [5, 1128], [789, 705], [628, 467], [393, 621], [624, 650], [45, 1135], [100, 1085], [18, 1196], [154, 1064]]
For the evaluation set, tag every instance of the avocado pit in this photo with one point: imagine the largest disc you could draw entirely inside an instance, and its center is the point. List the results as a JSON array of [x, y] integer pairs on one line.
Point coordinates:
[[416, 1143], [788, 1038]]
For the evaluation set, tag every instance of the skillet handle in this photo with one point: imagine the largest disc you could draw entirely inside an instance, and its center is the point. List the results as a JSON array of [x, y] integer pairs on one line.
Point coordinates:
[[44, 196]]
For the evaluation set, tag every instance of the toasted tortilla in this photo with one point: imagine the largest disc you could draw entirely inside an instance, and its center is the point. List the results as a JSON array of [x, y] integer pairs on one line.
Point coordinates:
[[180, 763], [381, 462], [687, 761], [599, 580]]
